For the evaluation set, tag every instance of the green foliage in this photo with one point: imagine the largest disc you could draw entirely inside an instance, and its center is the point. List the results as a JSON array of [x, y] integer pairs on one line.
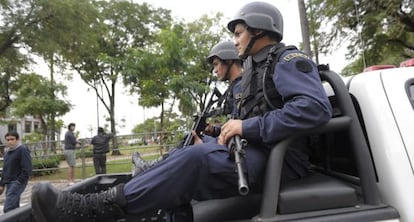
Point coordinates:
[[84, 153], [149, 125], [32, 138], [104, 42], [119, 27], [34, 97], [11, 61], [175, 68], [173, 132], [51, 36], [195, 83], [38, 27], [375, 31], [50, 162]]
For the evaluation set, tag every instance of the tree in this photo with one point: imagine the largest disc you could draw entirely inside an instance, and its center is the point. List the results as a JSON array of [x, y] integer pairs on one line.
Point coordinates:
[[49, 29], [196, 82], [10, 64], [304, 25], [121, 26], [174, 132], [155, 85], [12, 26], [174, 70], [167, 64], [376, 31], [33, 98]]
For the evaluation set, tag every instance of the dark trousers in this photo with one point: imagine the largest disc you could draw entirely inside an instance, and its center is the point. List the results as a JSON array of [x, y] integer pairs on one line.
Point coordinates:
[[99, 162], [14, 190], [197, 172]]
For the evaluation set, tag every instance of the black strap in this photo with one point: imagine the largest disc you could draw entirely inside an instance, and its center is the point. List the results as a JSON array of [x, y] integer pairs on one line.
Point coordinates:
[[273, 57]]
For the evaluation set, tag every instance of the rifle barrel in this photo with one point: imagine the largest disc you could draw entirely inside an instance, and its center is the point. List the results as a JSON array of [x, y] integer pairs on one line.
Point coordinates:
[[243, 187]]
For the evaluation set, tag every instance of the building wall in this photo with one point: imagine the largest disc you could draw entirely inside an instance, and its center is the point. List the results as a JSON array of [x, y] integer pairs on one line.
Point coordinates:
[[23, 126]]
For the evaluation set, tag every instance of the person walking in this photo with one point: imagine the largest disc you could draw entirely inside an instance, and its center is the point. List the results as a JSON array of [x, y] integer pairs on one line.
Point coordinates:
[[206, 171], [17, 169], [70, 152], [100, 144]]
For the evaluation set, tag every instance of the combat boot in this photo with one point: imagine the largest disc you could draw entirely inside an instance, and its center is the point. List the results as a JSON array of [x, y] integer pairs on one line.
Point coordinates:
[[50, 204], [141, 165]]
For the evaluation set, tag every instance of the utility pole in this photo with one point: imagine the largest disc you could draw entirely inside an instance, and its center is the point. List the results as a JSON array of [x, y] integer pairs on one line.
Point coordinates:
[[304, 24]]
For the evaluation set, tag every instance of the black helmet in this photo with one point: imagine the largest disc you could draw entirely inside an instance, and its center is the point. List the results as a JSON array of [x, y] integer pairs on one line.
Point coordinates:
[[224, 51], [259, 15]]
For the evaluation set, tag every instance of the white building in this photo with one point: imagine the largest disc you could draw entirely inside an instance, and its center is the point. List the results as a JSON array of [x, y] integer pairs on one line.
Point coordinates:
[[22, 126]]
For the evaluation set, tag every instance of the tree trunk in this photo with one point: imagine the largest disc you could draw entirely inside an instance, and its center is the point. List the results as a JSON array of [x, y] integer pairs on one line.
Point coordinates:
[[115, 149], [304, 24], [52, 131]]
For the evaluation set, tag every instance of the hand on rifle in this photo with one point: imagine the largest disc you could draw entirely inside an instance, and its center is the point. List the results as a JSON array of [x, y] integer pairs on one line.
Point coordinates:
[[197, 139], [209, 130], [229, 129], [231, 133]]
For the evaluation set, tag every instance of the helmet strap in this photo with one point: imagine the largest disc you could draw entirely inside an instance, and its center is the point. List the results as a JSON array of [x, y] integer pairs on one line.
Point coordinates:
[[227, 75], [253, 39]]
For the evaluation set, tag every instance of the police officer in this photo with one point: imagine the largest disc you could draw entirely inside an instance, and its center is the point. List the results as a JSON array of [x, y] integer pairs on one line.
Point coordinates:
[[205, 171], [282, 92], [227, 65]]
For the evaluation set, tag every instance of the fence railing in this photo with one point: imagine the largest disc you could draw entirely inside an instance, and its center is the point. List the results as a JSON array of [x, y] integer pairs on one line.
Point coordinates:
[[49, 151]]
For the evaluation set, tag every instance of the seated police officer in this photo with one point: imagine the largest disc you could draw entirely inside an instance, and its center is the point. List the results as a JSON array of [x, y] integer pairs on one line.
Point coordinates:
[[227, 65]]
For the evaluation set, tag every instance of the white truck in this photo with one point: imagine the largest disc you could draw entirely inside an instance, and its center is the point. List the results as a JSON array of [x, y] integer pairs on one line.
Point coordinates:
[[362, 161]]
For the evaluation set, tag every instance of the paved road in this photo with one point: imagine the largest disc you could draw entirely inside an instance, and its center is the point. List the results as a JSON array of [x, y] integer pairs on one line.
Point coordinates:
[[25, 198], [60, 184]]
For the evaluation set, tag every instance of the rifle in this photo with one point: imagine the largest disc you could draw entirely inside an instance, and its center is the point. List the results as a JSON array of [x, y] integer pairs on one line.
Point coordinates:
[[200, 120], [236, 145]]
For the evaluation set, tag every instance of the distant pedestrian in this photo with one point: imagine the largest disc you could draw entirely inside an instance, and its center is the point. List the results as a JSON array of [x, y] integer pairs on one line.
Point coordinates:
[[100, 144], [17, 168], [70, 152]]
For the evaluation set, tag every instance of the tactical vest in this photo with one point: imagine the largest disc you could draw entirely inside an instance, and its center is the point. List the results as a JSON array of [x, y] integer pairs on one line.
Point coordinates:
[[259, 92], [227, 101], [231, 98]]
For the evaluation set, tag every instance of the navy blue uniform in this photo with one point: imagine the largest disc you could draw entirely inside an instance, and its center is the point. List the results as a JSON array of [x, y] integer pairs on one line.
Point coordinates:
[[204, 171], [231, 98]]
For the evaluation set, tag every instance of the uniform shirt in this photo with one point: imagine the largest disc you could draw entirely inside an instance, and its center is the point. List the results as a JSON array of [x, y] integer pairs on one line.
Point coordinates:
[[306, 105], [17, 165], [233, 97]]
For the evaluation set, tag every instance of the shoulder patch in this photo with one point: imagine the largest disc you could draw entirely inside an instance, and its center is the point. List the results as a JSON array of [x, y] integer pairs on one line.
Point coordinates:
[[304, 66], [291, 56]]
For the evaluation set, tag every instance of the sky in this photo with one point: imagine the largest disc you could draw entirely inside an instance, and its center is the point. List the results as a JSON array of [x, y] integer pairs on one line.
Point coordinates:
[[85, 112]]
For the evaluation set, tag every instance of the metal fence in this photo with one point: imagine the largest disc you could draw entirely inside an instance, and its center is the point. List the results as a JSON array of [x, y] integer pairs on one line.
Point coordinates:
[[149, 144]]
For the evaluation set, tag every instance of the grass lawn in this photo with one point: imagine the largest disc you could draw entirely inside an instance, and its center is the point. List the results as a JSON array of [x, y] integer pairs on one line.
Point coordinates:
[[113, 166]]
